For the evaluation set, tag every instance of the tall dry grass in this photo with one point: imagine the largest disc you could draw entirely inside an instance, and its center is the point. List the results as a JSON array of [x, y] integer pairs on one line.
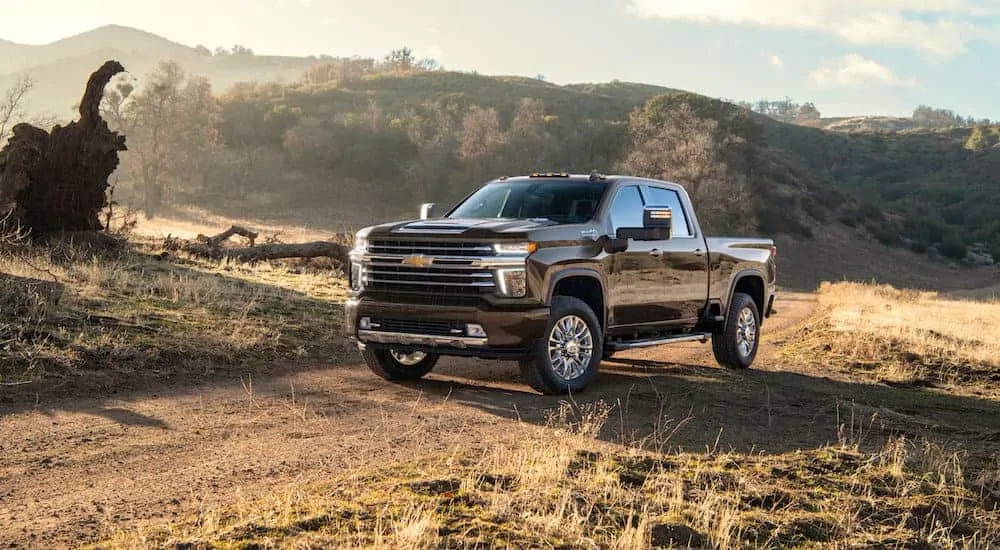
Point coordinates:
[[559, 488], [135, 312], [902, 336]]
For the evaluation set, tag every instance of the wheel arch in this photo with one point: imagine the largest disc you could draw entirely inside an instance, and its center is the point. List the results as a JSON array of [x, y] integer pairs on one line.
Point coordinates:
[[585, 284], [751, 282]]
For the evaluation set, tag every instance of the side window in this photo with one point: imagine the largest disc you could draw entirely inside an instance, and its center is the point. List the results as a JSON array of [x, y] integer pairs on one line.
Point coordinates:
[[658, 196], [626, 210]]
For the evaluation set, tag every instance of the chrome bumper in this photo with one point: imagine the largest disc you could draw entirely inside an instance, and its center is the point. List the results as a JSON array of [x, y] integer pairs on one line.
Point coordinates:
[[402, 338]]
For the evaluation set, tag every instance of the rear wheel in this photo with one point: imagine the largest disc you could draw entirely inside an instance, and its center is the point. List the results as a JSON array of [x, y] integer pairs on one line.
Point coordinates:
[[567, 357], [394, 364], [735, 345]]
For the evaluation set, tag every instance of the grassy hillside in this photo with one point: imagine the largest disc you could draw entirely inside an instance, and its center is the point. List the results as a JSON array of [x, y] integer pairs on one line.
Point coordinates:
[[915, 190], [345, 143]]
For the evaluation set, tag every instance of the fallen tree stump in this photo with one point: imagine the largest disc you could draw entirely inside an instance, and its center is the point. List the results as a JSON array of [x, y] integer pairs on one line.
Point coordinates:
[[211, 247], [57, 181]]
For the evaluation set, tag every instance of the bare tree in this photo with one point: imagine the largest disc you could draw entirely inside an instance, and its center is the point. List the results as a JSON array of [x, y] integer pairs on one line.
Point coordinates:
[[12, 105], [480, 133]]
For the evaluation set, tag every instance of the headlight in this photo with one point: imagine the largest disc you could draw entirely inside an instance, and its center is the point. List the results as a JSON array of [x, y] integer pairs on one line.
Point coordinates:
[[357, 283], [512, 282], [515, 248], [360, 243]]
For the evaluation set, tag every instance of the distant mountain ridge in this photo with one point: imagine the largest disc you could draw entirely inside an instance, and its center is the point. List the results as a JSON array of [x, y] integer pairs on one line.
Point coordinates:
[[60, 69]]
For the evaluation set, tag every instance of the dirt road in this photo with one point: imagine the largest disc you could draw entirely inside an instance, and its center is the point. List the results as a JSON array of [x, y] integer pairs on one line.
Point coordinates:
[[74, 470]]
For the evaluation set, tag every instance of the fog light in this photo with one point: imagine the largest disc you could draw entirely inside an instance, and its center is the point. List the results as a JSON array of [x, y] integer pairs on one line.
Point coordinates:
[[512, 282], [475, 331], [365, 323]]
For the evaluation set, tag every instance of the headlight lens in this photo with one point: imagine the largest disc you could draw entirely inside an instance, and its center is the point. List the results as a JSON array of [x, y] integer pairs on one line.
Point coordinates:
[[356, 276], [515, 248], [360, 243], [512, 282]]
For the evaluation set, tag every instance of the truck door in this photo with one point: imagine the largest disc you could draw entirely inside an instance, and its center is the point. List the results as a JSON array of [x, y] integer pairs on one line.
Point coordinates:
[[684, 260], [635, 277]]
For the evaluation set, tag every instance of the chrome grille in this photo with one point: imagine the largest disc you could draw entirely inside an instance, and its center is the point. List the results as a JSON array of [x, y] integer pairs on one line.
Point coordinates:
[[451, 268], [429, 248]]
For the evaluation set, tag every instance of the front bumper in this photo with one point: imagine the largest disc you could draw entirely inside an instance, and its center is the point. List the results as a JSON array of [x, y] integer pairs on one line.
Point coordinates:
[[509, 333]]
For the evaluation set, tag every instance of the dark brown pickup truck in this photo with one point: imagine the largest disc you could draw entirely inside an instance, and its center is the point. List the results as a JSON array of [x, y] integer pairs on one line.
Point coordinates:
[[555, 271]]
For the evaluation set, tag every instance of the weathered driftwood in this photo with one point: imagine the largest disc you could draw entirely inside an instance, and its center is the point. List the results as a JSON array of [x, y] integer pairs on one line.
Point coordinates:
[[57, 181], [211, 247], [234, 230]]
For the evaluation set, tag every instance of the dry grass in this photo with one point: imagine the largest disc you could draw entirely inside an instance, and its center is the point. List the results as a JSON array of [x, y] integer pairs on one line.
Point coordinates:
[[187, 222], [139, 314], [903, 337], [554, 490]]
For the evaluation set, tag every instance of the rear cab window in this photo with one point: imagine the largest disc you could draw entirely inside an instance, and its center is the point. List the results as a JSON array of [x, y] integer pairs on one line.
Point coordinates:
[[661, 196]]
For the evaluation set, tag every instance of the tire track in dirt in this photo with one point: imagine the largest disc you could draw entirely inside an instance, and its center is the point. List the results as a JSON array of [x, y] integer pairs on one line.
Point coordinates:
[[75, 470]]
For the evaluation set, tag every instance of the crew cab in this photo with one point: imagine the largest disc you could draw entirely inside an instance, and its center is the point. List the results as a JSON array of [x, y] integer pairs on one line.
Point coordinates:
[[557, 272]]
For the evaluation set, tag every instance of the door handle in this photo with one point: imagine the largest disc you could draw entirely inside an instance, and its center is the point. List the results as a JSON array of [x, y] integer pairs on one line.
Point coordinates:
[[656, 252], [698, 252]]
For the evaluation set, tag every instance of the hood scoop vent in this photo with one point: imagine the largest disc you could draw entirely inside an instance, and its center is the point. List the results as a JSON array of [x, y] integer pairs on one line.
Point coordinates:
[[434, 227]]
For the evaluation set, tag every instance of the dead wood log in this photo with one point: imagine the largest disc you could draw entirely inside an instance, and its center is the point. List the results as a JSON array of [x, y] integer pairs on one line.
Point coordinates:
[[315, 249], [221, 237], [211, 247], [57, 181]]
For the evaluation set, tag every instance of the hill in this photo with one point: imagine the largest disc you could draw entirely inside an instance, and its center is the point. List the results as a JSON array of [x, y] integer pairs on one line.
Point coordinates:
[[58, 68], [340, 143], [923, 191]]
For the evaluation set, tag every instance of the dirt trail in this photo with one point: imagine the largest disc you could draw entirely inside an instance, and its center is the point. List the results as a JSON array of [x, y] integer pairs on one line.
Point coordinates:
[[73, 470]]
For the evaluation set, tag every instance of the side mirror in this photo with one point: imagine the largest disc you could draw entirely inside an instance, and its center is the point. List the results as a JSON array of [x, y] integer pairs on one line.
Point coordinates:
[[427, 210], [614, 245], [657, 222]]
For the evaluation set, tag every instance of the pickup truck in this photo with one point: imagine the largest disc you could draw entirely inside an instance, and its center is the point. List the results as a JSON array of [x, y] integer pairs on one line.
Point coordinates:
[[557, 272]]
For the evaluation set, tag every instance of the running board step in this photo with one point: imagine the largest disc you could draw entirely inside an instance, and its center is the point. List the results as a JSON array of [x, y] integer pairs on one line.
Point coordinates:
[[633, 344]]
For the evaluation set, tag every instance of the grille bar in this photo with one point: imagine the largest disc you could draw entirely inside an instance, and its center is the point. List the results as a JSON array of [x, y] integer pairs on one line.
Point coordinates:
[[430, 273], [408, 247], [414, 326], [474, 284]]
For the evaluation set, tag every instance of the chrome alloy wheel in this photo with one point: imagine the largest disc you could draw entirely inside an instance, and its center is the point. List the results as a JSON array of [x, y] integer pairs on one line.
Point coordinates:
[[746, 332], [408, 359], [571, 347]]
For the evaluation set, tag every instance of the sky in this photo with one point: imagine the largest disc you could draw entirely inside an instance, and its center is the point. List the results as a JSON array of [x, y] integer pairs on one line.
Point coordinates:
[[849, 57]]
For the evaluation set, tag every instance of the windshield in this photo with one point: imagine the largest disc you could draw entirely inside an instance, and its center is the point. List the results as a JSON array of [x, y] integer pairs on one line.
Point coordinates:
[[560, 201]]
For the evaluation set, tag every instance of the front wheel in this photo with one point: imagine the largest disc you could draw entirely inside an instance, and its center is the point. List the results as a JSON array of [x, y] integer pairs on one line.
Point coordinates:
[[735, 345], [393, 364], [566, 358]]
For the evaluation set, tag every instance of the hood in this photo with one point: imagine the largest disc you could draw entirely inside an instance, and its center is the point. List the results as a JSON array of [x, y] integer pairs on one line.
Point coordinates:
[[460, 227]]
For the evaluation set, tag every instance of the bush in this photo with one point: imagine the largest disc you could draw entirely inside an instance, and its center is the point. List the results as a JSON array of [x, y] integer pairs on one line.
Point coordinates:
[[952, 248]]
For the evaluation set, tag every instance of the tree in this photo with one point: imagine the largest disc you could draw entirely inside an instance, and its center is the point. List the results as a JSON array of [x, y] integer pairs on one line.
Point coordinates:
[[807, 113], [12, 105], [977, 140], [308, 145], [480, 133], [172, 125], [529, 145], [399, 60], [673, 143]]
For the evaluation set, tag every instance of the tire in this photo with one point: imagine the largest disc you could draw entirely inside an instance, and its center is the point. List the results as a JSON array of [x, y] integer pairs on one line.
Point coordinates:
[[383, 362], [732, 348], [555, 373]]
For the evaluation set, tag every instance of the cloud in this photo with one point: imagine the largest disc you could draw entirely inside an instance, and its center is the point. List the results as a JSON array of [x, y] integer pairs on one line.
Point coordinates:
[[854, 71], [777, 62], [940, 27]]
